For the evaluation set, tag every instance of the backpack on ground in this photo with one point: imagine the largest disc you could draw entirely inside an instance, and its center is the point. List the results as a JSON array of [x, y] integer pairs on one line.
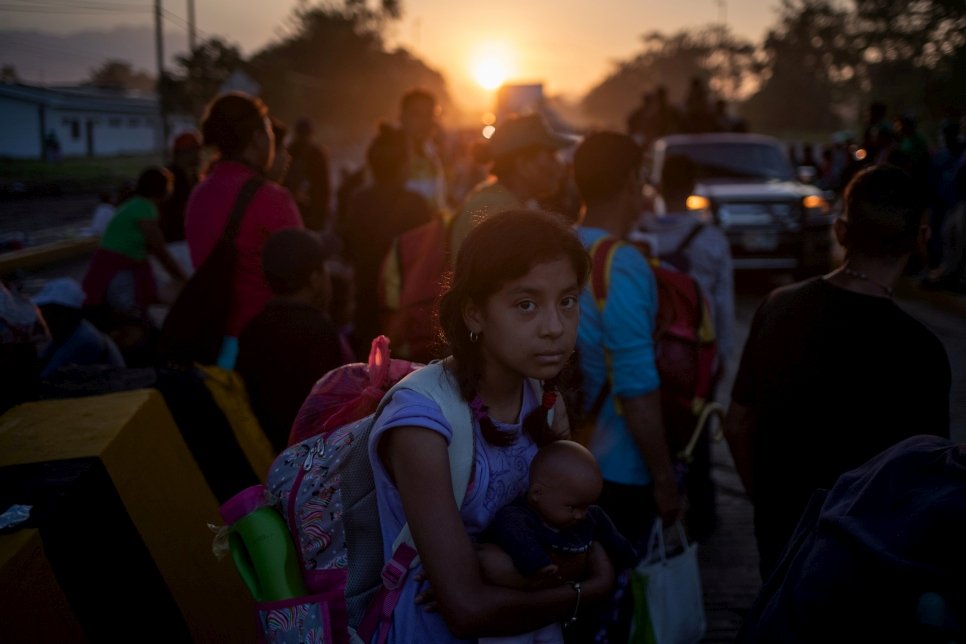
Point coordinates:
[[194, 327], [410, 283], [685, 346]]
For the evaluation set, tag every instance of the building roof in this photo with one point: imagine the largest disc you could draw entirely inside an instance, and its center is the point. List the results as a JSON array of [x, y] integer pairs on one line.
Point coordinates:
[[85, 98]]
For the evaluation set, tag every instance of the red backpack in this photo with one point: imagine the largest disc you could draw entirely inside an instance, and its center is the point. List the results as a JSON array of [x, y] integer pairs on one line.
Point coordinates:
[[349, 392], [684, 339], [410, 283]]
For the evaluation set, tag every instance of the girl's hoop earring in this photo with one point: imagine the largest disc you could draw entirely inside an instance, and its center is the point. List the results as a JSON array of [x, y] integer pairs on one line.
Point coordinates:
[[474, 336]]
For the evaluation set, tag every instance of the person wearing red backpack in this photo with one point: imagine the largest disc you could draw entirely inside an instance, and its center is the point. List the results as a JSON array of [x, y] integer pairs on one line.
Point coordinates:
[[616, 348], [689, 242]]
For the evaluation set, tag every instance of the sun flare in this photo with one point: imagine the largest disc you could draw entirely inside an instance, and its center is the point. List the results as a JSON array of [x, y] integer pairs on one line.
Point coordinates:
[[491, 65]]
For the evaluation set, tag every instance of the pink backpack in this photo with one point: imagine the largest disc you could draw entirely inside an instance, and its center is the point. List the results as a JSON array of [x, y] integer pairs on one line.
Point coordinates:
[[349, 392]]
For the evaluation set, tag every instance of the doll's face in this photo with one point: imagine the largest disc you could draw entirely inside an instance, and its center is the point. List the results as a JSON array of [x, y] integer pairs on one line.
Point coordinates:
[[564, 502]]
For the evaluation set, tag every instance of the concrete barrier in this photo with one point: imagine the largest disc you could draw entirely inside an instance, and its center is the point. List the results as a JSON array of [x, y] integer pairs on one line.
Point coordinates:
[[34, 607], [34, 257], [163, 492]]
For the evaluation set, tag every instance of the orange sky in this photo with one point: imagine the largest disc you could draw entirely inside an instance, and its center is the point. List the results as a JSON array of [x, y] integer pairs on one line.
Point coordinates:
[[567, 44]]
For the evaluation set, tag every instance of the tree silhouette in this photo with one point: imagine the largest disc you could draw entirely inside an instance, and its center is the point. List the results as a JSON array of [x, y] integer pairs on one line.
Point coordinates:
[[334, 67], [727, 62], [120, 75], [811, 68], [200, 75], [816, 70]]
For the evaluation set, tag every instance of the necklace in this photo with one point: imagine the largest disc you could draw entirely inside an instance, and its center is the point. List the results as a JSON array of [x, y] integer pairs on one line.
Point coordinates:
[[862, 276]]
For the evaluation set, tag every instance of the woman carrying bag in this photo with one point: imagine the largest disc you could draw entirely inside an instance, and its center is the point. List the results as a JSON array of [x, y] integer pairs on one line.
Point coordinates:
[[238, 127]]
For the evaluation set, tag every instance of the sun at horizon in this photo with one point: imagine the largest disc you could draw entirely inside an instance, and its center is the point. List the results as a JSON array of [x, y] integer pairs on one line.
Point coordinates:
[[491, 65]]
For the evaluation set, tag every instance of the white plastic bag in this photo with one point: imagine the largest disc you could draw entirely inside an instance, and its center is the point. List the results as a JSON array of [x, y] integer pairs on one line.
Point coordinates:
[[668, 602]]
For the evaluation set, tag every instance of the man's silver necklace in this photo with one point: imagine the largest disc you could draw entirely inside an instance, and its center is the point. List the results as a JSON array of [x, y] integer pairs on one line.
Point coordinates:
[[862, 276]]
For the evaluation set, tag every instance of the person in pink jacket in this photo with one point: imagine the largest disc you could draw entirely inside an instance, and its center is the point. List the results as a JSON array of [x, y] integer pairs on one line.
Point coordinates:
[[238, 127]]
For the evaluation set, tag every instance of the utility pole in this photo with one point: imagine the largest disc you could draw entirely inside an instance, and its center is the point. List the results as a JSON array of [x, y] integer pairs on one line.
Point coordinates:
[[192, 41], [722, 12], [159, 45]]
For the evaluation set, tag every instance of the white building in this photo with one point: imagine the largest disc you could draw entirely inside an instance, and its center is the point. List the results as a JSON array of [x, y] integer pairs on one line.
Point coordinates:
[[86, 121]]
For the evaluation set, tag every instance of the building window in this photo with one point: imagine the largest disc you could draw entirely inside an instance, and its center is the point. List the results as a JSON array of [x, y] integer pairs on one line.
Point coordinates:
[[133, 122], [75, 129], [115, 122]]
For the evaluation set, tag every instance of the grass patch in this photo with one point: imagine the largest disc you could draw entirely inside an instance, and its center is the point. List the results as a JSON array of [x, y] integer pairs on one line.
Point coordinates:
[[72, 175]]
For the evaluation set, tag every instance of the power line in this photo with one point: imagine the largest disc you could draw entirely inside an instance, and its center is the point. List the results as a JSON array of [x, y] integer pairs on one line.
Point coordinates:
[[181, 22], [87, 4], [75, 53], [62, 9]]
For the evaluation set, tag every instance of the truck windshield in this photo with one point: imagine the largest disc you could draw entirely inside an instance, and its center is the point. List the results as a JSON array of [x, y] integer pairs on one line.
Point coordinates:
[[736, 161]]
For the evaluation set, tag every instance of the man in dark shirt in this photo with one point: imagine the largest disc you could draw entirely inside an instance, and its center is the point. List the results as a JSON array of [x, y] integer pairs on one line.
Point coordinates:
[[377, 215], [284, 349], [834, 371]]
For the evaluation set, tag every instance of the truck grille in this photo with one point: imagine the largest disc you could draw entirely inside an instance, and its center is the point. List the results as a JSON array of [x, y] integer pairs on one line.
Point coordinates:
[[743, 214]]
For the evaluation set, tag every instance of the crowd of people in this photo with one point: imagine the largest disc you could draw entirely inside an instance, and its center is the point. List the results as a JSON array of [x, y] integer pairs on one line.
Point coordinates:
[[833, 371], [938, 166]]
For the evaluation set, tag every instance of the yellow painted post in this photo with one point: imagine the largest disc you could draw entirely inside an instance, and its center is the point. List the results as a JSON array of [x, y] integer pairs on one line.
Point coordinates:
[[161, 486]]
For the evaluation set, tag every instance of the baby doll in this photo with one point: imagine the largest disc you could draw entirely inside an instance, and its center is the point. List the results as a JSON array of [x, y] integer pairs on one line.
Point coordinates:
[[548, 531]]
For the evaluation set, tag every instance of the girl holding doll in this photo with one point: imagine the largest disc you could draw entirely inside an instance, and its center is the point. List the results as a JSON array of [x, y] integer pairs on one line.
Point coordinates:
[[510, 319]]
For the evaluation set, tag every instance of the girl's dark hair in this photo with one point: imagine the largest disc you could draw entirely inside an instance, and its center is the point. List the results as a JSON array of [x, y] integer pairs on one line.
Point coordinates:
[[504, 247], [230, 120], [154, 183], [387, 154]]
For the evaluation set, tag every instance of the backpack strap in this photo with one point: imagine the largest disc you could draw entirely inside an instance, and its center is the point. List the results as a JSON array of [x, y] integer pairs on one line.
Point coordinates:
[[602, 254], [678, 258], [242, 201], [686, 242], [439, 385], [436, 383]]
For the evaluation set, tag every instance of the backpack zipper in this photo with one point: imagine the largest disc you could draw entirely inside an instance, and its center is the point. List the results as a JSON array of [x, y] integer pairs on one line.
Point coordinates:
[[293, 523]]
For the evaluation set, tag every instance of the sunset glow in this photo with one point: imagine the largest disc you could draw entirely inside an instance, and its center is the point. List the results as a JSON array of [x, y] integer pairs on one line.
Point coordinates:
[[491, 65]]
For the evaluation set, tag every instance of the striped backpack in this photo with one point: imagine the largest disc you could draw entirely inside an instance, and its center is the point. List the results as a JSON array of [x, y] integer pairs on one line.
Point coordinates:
[[326, 493]]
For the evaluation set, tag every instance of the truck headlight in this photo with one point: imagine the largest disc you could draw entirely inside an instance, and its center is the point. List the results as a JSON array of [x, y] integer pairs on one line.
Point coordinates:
[[697, 202], [815, 206]]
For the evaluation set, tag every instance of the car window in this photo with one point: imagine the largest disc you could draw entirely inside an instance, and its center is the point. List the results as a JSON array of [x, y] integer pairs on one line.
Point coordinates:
[[736, 160]]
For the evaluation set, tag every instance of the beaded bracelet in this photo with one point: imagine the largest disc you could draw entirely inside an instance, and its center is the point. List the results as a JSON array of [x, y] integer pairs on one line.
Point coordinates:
[[573, 620]]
